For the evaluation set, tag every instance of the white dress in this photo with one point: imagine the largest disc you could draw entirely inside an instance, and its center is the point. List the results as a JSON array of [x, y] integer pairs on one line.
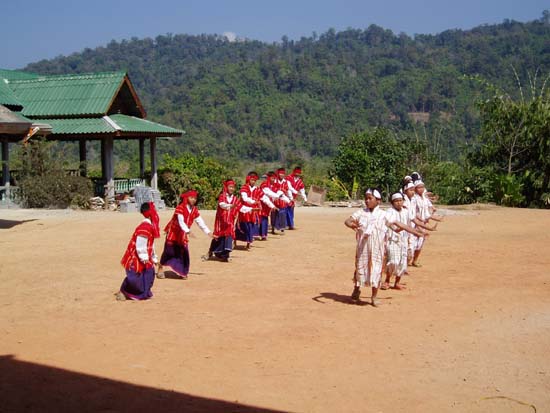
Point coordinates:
[[369, 256], [397, 241]]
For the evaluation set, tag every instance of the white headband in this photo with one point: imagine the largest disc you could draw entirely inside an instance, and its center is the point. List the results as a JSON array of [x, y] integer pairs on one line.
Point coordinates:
[[409, 186], [407, 177], [395, 196], [374, 193], [418, 183]]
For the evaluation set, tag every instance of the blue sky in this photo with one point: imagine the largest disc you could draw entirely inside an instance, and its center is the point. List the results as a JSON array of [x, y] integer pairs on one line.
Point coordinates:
[[33, 30]]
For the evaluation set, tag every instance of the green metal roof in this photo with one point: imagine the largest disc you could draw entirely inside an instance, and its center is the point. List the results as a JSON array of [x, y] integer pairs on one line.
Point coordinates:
[[17, 75], [133, 124], [7, 97], [113, 124], [78, 126], [67, 95]]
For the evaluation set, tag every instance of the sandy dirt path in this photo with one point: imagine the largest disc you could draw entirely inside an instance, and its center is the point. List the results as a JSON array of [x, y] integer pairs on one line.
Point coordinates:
[[273, 329]]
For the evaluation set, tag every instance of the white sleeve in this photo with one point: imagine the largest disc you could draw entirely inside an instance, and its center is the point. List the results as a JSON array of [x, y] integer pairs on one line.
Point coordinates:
[[182, 223], [247, 199], [291, 188], [289, 193], [202, 225], [244, 209], [285, 198], [141, 248], [269, 192], [265, 199], [303, 194], [224, 205]]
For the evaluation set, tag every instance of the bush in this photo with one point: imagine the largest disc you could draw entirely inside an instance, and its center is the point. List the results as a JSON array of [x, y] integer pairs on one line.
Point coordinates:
[[457, 184], [192, 172], [43, 183], [508, 190], [55, 190]]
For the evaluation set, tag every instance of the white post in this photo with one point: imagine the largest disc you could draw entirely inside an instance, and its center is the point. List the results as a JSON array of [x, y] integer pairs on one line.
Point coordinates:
[[154, 177]]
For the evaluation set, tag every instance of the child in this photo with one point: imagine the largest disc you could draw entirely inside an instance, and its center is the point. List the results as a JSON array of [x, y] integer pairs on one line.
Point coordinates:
[[410, 206], [267, 205], [224, 227], [280, 186], [420, 204], [176, 246], [140, 258], [296, 186], [248, 221], [369, 225], [397, 221]]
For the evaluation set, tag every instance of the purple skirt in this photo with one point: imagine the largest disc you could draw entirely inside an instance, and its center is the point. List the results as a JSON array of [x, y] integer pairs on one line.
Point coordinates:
[[246, 231], [278, 219], [222, 247], [137, 286], [264, 224], [176, 257]]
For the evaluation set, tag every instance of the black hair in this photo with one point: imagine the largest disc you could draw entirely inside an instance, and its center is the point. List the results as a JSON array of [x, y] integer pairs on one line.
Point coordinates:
[[415, 176], [144, 207], [253, 173]]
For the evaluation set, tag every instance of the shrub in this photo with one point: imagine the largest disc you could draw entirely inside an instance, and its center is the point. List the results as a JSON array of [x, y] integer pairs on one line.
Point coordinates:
[[44, 184], [189, 171]]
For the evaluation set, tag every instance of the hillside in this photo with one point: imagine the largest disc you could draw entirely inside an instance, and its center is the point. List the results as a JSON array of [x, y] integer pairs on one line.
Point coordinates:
[[260, 101]]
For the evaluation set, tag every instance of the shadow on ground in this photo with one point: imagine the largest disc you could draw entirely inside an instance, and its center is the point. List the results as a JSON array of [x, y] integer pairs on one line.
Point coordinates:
[[33, 387], [8, 223]]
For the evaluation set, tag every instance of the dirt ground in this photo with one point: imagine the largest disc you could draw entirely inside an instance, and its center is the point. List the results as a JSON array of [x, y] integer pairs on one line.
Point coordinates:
[[273, 330]]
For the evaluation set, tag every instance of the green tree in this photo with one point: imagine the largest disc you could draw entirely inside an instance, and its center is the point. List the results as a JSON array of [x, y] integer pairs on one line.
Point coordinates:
[[373, 158]]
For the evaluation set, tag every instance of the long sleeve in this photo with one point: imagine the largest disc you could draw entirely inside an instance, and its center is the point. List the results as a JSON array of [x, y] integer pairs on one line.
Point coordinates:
[[182, 223], [289, 192], [265, 199], [244, 209], [141, 248], [291, 188], [202, 225], [224, 205], [270, 193], [247, 199], [303, 194]]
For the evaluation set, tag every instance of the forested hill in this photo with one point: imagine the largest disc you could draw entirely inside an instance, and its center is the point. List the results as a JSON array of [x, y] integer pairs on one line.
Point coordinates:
[[260, 101]]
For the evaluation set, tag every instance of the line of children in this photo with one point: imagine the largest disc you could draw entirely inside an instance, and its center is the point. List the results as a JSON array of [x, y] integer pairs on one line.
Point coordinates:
[[384, 239], [243, 219]]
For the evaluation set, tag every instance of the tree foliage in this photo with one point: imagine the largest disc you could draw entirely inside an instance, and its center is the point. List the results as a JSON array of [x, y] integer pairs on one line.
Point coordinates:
[[260, 101], [374, 158]]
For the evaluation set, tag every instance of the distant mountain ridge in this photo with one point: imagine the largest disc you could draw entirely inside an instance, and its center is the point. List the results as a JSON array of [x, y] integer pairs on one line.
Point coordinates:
[[262, 101]]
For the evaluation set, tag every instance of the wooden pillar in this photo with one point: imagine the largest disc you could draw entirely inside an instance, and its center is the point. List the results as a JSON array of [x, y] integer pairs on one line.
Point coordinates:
[[107, 149], [141, 158], [102, 158], [5, 162], [82, 152], [154, 178]]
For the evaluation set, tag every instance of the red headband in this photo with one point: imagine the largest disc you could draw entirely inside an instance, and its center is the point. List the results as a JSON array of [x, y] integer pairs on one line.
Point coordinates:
[[189, 194], [297, 171], [227, 183], [281, 171], [251, 176]]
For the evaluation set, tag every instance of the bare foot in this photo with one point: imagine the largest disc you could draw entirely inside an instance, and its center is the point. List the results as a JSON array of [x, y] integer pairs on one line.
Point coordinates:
[[120, 297]]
